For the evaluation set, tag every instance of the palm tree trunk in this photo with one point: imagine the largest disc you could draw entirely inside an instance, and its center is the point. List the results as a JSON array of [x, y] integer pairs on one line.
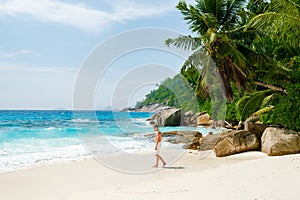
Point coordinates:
[[272, 87]]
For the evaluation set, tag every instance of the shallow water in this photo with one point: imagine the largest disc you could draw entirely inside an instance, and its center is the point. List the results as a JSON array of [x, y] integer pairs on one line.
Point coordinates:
[[29, 138]]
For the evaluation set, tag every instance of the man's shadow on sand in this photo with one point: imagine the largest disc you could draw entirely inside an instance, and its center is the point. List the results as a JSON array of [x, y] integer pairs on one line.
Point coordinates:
[[174, 168]]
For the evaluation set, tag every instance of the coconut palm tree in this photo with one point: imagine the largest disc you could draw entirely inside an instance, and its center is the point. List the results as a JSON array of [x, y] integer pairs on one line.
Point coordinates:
[[219, 41]]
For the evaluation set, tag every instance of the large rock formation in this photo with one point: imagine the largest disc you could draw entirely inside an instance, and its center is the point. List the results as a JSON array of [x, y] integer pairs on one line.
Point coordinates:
[[188, 119], [200, 118], [169, 117], [174, 117], [204, 120], [195, 144], [236, 142], [255, 128], [209, 141], [195, 117], [276, 142], [183, 137]]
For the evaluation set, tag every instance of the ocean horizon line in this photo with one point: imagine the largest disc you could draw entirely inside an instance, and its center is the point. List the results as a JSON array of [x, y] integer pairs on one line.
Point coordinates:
[[11, 109]]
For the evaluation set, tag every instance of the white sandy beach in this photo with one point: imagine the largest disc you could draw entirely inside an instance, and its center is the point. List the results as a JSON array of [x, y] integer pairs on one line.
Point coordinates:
[[250, 175]]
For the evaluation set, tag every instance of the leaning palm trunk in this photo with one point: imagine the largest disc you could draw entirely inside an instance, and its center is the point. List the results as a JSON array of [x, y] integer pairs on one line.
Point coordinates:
[[272, 87]]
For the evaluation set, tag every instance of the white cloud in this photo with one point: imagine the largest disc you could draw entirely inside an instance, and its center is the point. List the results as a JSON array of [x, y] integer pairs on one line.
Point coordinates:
[[129, 9], [14, 54], [79, 15], [76, 15]]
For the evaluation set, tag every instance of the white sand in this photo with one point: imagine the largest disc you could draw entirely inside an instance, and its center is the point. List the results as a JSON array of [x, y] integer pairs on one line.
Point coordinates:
[[250, 175]]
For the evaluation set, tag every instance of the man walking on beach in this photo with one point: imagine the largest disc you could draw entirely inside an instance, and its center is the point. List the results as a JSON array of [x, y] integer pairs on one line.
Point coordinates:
[[158, 138]]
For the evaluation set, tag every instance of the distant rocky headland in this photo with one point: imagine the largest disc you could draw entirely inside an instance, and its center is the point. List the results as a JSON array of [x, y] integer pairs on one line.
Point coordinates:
[[169, 116], [151, 108]]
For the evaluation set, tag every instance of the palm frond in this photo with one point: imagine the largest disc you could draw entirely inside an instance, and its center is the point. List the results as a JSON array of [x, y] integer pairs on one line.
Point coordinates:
[[269, 18], [264, 110], [230, 17], [285, 6], [184, 42], [229, 49], [255, 116], [197, 59], [281, 21], [241, 34], [250, 103], [267, 100], [255, 59], [198, 22]]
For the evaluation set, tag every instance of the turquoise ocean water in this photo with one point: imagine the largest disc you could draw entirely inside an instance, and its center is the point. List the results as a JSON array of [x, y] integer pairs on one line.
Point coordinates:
[[30, 138]]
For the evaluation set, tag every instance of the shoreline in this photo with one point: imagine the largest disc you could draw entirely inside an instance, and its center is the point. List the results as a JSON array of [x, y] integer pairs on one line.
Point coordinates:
[[250, 175], [12, 165]]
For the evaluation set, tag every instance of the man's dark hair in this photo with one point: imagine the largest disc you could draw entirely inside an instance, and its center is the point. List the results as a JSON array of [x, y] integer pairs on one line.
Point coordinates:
[[155, 126]]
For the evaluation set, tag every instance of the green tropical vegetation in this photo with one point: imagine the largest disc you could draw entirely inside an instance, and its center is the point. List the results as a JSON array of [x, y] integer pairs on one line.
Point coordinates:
[[173, 92], [245, 51]]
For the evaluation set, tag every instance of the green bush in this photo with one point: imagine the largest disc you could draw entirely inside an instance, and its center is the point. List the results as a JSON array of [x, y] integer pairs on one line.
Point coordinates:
[[287, 110], [287, 106]]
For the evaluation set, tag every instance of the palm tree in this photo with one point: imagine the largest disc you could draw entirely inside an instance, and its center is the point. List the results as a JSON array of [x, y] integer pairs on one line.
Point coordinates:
[[219, 38]]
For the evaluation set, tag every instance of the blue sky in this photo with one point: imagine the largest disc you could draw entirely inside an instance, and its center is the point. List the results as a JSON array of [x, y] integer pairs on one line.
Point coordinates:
[[44, 43]]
